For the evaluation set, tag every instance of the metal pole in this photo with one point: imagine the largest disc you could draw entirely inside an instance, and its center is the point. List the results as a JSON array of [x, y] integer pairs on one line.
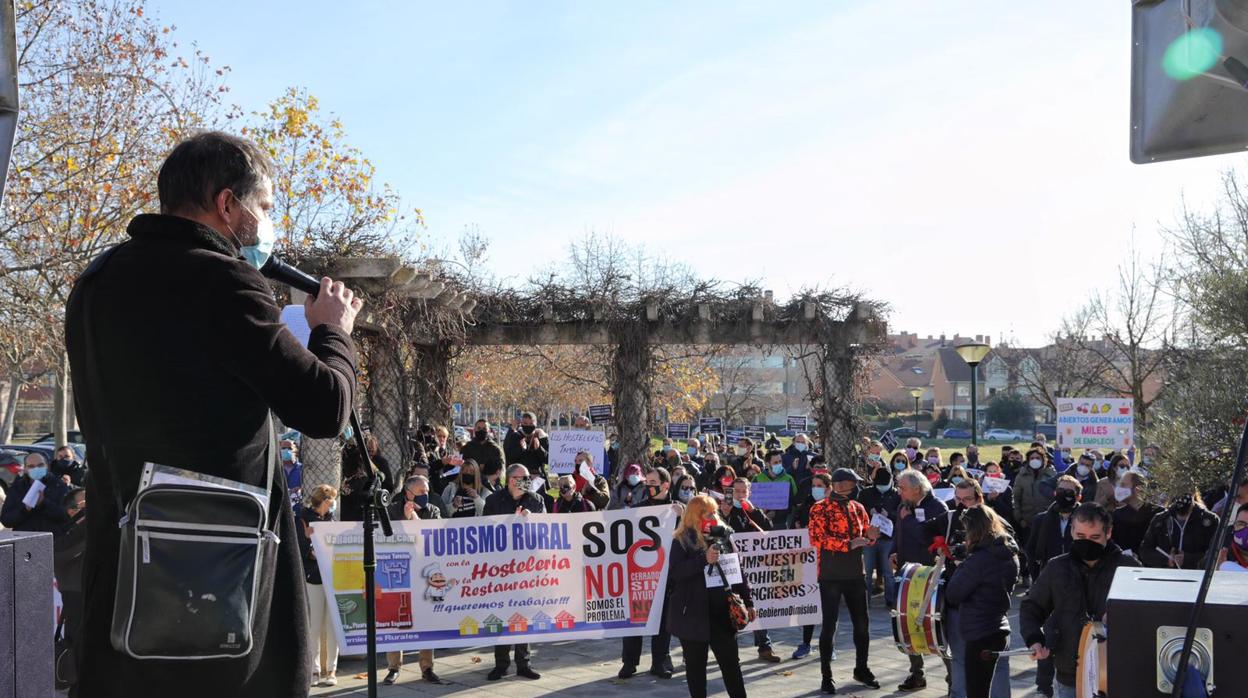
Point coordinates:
[[916, 414], [974, 431], [370, 599]]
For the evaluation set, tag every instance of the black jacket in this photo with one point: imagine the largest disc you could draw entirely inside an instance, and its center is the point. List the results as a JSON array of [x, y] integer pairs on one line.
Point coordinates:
[[875, 501], [486, 453], [1003, 504], [1131, 524], [689, 602], [47, 516], [306, 517], [502, 503], [578, 505], [742, 522], [190, 355], [980, 588], [1165, 532], [1065, 596], [913, 537], [1047, 539]]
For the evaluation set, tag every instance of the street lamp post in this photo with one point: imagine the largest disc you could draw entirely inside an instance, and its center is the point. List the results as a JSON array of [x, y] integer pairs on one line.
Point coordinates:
[[973, 354], [916, 393]]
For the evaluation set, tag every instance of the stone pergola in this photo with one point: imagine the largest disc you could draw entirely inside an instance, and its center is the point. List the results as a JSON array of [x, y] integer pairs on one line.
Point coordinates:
[[633, 330]]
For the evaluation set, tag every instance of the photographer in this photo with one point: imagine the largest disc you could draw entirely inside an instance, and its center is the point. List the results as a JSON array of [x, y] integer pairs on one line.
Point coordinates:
[[697, 610]]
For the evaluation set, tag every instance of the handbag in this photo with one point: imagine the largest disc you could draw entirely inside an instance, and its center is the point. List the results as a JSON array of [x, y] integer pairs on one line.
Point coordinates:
[[738, 614], [191, 556]]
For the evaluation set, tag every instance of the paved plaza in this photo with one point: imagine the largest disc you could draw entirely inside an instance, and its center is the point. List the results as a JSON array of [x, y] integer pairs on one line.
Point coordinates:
[[588, 668]]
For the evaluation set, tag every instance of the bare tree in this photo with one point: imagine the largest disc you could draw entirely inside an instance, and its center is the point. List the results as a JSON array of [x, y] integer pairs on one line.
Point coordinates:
[[1063, 368]]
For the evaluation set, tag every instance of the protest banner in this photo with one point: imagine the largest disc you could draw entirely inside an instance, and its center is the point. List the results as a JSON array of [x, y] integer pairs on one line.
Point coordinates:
[[994, 485], [797, 423], [1102, 423], [772, 496], [678, 431], [566, 443], [711, 425], [500, 579], [600, 414], [734, 434], [782, 570]]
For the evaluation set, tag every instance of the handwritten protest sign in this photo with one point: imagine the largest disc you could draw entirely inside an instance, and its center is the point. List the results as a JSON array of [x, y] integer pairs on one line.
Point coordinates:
[[782, 570], [566, 443]]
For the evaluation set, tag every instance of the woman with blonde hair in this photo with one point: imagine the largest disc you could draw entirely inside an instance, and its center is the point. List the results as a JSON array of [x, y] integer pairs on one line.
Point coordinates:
[[697, 612], [463, 495], [324, 644], [980, 587]]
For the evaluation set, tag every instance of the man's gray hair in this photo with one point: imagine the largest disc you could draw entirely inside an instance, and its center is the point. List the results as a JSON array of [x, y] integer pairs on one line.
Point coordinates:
[[36, 454], [415, 479], [516, 468], [914, 478]]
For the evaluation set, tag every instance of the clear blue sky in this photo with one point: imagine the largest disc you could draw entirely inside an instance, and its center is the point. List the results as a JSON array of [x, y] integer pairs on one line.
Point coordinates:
[[964, 161]]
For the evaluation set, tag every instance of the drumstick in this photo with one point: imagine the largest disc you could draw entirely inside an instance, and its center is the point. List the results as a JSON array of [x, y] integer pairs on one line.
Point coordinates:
[[988, 655]]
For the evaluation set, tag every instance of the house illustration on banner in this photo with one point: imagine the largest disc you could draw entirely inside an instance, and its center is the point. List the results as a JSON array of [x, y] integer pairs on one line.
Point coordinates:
[[468, 626], [517, 624], [493, 624], [564, 620], [540, 621]]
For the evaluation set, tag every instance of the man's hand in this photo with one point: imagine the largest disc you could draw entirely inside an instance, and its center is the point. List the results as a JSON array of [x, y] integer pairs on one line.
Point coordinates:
[[873, 533], [1039, 652], [753, 614], [335, 305], [409, 510], [903, 512], [65, 479], [522, 511], [1177, 558], [892, 560], [858, 543]]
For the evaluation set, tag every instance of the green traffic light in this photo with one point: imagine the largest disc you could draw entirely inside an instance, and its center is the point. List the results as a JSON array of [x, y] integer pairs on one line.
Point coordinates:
[[1192, 53]]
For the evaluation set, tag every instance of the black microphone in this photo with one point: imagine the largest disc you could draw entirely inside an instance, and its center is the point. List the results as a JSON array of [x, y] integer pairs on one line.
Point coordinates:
[[719, 532], [282, 272]]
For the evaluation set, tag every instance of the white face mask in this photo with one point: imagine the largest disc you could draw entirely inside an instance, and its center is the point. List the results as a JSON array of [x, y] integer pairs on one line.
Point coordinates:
[[1035, 463], [1122, 494], [1083, 470], [741, 450]]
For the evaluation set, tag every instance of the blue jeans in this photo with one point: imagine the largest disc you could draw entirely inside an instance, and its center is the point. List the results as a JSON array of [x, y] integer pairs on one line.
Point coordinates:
[[762, 640], [876, 557], [1061, 690], [957, 654]]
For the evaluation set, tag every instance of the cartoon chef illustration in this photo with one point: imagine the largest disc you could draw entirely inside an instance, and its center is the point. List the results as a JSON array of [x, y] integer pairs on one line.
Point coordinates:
[[436, 585]]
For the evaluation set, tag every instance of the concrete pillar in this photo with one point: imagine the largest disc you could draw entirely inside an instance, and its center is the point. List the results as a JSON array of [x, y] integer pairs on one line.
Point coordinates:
[[630, 388], [431, 390]]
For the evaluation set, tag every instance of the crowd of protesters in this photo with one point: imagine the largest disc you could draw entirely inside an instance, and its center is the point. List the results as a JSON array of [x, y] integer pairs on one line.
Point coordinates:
[[1040, 517]]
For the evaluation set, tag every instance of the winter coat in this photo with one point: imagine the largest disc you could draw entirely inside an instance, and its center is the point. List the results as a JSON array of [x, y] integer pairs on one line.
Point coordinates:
[[875, 502], [1067, 594], [689, 602], [578, 505], [468, 506], [752, 521], [1003, 504], [913, 537], [306, 517], [1047, 539], [501, 503], [626, 497], [190, 355], [1130, 525], [1030, 496], [47, 516], [485, 454], [798, 462], [980, 588], [425, 513], [1193, 539]]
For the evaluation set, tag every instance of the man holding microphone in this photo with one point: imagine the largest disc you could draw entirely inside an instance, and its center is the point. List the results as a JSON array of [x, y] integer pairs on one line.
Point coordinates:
[[179, 355]]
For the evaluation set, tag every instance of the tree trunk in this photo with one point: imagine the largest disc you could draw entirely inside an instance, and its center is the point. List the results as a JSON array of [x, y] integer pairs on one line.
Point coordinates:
[[60, 400], [433, 382], [630, 389], [388, 404], [838, 428], [10, 408]]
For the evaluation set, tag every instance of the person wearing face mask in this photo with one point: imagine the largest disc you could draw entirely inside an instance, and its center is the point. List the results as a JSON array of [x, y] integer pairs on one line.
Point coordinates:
[[721, 479], [412, 504], [818, 487], [745, 457], [1132, 514], [744, 517], [1032, 494], [520, 500], [630, 492], [322, 641], [881, 498], [979, 589], [1072, 589], [1181, 535], [698, 613], [1083, 470], [1001, 501], [840, 530], [693, 450], [293, 470], [972, 456], [872, 459], [899, 463], [818, 466], [658, 490], [47, 513], [463, 496], [913, 449], [797, 456], [570, 500], [520, 437], [182, 355], [932, 457], [1050, 529], [776, 472], [589, 484], [931, 471], [921, 518], [482, 448], [65, 464], [1233, 557], [1011, 462]]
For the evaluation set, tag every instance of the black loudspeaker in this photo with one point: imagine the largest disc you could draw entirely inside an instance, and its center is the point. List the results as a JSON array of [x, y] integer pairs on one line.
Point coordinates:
[[26, 620], [1147, 617]]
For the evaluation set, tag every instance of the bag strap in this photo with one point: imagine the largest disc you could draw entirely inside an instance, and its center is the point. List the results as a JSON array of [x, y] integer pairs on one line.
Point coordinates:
[[724, 577]]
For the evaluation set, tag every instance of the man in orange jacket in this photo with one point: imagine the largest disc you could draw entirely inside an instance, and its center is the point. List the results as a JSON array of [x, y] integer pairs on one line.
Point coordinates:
[[839, 530]]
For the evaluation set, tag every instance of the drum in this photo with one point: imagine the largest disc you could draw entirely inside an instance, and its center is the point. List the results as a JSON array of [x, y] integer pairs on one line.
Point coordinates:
[[917, 624], [1091, 677]]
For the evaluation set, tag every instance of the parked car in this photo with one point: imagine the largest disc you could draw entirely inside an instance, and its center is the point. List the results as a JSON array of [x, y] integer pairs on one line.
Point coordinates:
[[74, 437], [956, 434], [1049, 431], [1004, 435], [900, 433]]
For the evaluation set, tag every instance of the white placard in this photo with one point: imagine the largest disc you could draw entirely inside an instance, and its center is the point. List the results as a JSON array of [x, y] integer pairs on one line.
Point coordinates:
[[731, 565], [1095, 423], [296, 321], [566, 443], [882, 522], [944, 494], [994, 485], [31, 500]]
